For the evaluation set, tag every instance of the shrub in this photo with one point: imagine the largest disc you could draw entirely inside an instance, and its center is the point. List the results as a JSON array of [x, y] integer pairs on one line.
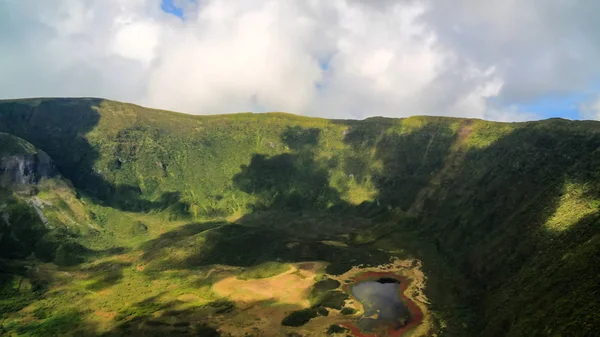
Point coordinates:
[[299, 317]]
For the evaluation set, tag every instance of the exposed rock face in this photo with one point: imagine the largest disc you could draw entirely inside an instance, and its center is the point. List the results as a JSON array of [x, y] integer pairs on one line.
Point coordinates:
[[25, 169]]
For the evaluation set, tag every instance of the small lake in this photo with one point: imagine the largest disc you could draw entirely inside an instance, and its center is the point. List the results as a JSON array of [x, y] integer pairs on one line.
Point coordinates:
[[384, 306]]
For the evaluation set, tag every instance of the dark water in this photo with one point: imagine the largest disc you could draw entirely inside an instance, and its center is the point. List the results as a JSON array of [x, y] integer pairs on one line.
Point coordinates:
[[383, 306]]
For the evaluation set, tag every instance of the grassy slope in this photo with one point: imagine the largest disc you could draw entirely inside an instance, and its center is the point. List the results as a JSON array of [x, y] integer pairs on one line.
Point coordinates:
[[512, 209], [21, 230], [12, 145]]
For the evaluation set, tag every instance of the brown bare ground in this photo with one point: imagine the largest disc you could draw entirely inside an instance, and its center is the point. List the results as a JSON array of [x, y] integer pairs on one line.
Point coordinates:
[[105, 292], [465, 131], [106, 315], [289, 287]]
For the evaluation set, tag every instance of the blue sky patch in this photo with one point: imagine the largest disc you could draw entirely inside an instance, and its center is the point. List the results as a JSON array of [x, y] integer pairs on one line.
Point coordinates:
[[565, 106], [168, 6], [562, 106]]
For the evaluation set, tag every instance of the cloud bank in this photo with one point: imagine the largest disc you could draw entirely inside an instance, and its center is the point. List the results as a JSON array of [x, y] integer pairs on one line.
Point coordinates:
[[337, 59]]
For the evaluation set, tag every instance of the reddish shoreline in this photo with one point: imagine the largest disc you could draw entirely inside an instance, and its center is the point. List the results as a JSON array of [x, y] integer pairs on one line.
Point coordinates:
[[415, 311]]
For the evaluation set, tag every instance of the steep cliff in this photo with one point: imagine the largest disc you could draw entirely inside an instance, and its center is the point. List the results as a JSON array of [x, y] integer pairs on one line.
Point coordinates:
[[21, 165]]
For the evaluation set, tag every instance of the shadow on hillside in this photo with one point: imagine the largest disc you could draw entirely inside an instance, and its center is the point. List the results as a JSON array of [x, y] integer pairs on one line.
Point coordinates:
[[512, 185], [251, 244], [59, 127], [363, 137], [141, 319], [297, 182], [19, 235], [409, 162], [289, 181], [150, 317], [16, 291], [486, 217], [105, 274], [138, 319], [155, 248]]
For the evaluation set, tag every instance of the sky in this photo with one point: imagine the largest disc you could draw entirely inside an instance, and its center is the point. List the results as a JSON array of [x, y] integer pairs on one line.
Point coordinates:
[[498, 60]]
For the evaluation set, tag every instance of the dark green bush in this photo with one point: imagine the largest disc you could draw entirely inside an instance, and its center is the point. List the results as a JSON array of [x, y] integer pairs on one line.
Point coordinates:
[[300, 317]]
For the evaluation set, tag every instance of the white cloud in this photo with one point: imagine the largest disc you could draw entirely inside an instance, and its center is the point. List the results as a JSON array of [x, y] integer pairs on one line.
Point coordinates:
[[538, 47], [338, 58], [236, 58], [136, 41], [591, 109]]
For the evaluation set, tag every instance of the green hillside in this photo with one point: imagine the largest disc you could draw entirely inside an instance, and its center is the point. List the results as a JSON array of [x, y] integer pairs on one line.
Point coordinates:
[[12, 145], [149, 209]]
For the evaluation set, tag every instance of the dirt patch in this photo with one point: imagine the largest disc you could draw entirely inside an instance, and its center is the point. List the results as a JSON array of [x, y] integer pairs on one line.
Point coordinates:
[[105, 292], [289, 287], [105, 315], [465, 131]]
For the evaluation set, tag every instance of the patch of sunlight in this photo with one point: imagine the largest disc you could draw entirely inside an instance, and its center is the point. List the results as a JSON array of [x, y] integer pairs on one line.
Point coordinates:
[[573, 206], [238, 214], [299, 278], [484, 133], [334, 243], [356, 193], [359, 194], [412, 124]]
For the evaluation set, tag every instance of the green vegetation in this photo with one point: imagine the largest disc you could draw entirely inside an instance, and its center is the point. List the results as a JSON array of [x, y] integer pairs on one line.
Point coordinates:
[[299, 317], [321, 287], [150, 207], [323, 294], [11, 145], [322, 311], [57, 324], [334, 328], [333, 299], [348, 311], [263, 270]]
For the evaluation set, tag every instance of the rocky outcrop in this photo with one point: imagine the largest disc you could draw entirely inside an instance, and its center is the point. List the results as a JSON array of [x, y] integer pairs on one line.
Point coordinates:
[[22, 220], [25, 169]]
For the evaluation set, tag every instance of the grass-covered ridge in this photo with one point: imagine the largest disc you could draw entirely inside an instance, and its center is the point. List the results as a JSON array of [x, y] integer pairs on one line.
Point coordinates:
[[504, 216], [12, 145]]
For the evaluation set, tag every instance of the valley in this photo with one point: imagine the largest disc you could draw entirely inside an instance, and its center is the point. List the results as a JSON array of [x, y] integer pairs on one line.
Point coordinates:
[[118, 220]]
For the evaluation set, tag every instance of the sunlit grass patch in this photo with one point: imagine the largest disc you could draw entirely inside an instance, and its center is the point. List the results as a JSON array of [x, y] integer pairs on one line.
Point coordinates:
[[263, 270], [575, 204]]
